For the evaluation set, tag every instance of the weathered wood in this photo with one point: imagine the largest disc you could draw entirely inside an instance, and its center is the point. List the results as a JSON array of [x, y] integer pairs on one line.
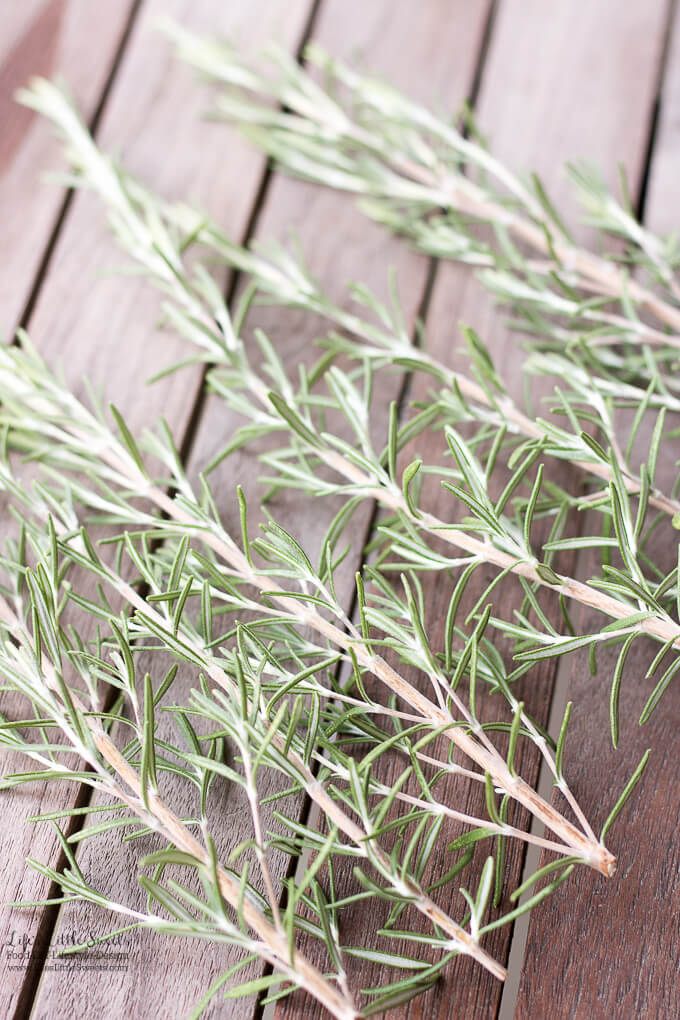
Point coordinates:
[[618, 951], [662, 201], [72, 38], [105, 329], [46, 37]]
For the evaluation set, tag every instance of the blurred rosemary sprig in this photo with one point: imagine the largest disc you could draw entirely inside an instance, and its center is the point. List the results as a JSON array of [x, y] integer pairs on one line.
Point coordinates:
[[425, 179]]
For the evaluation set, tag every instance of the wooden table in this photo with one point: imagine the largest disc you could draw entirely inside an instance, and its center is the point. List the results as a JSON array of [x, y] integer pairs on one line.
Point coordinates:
[[549, 82]]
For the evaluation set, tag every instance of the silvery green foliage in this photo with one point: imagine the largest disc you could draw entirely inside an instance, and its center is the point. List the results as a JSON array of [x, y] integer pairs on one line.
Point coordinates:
[[422, 177]]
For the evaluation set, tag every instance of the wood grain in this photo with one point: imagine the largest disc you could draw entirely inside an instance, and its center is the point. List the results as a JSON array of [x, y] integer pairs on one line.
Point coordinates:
[[43, 38], [34, 52], [619, 951], [105, 329], [78, 40]]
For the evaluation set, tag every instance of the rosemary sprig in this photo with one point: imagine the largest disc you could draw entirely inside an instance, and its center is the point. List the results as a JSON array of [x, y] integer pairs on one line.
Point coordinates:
[[27, 662], [36, 409], [145, 228], [45, 684], [157, 617], [426, 180]]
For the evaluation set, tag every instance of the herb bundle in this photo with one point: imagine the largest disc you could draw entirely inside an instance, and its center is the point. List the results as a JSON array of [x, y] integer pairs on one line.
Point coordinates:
[[292, 693]]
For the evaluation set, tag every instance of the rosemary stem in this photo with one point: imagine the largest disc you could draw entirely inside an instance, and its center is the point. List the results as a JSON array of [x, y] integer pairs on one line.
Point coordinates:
[[463, 196], [232, 555], [664, 629], [593, 853], [522, 423], [294, 964]]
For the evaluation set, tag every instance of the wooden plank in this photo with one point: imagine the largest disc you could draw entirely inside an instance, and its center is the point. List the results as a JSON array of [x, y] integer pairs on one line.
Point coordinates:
[[72, 38], [617, 952], [663, 187], [432, 57], [620, 953], [106, 330]]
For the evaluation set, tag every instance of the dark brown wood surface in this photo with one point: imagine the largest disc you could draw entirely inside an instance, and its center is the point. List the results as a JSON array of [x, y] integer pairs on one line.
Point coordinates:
[[558, 81]]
